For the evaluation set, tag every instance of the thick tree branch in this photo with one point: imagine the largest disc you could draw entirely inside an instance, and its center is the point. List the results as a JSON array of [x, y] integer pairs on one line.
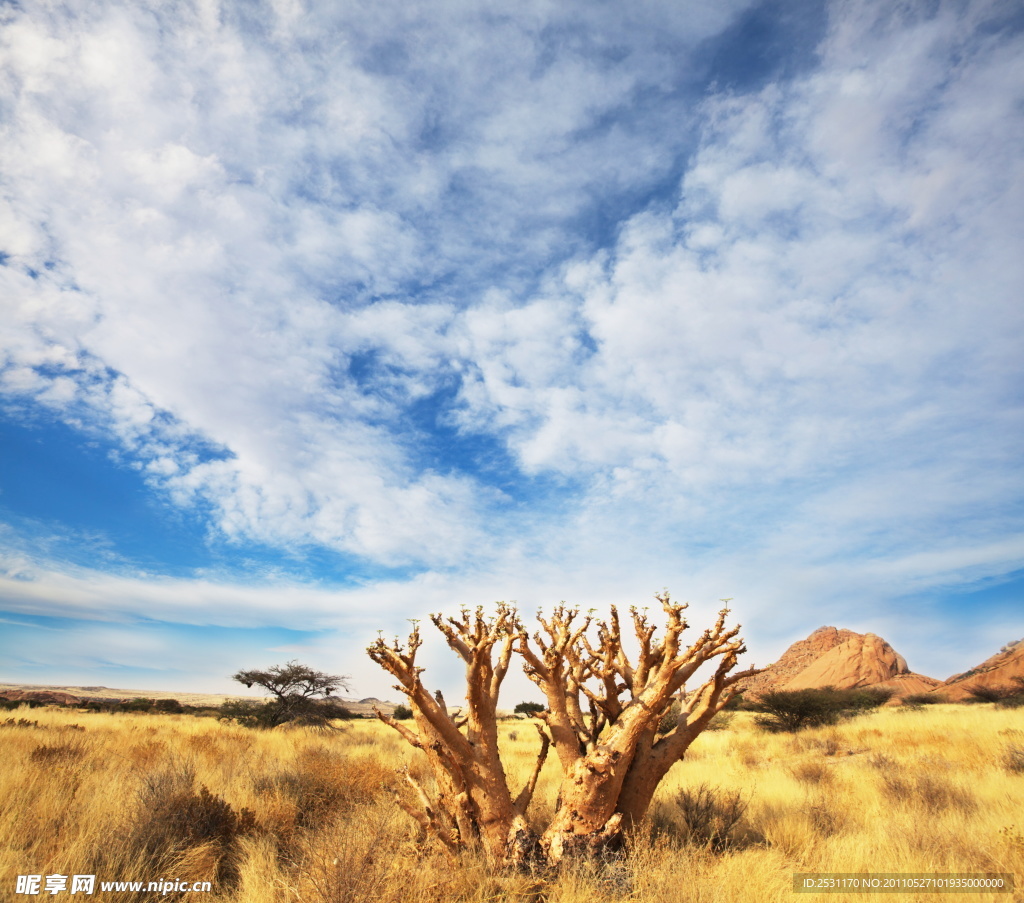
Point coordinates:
[[522, 802]]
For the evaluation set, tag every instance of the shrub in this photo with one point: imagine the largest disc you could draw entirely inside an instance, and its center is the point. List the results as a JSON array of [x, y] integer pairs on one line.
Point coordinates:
[[11, 704], [793, 710], [1013, 759], [720, 722], [402, 713], [826, 821], [864, 697], [58, 754], [322, 783], [930, 792], [96, 705], [22, 722], [139, 704], [812, 772], [710, 815], [920, 699], [255, 713], [979, 693], [1015, 698], [171, 706], [1008, 695], [250, 713], [356, 862], [738, 703], [176, 818], [670, 718]]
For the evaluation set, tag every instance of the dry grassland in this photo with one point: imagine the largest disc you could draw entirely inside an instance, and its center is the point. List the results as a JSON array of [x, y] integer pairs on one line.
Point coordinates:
[[293, 815]]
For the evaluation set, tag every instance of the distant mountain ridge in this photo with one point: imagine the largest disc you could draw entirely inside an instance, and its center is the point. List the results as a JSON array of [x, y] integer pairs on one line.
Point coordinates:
[[74, 695], [829, 656]]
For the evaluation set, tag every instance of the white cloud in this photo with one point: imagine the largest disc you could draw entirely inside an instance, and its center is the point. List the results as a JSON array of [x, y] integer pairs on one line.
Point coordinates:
[[214, 216], [275, 244], [798, 310]]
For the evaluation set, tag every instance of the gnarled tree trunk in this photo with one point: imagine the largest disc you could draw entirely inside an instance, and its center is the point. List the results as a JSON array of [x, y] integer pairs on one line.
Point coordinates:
[[602, 719]]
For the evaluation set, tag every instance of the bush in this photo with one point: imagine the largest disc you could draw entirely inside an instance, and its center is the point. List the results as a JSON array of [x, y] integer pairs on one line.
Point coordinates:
[[865, 697], [57, 754], [171, 706], [254, 713], [250, 713], [402, 713], [1013, 759], [919, 699], [323, 783], [1008, 696], [721, 721], [813, 771], [137, 705], [979, 693], [95, 705], [176, 819], [738, 703], [670, 719], [1015, 698], [11, 704], [710, 815], [359, 860], [932, 793], [794, 710]]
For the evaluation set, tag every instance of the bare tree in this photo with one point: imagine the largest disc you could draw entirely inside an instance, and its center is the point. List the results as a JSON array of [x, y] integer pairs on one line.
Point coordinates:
[[602, 719]]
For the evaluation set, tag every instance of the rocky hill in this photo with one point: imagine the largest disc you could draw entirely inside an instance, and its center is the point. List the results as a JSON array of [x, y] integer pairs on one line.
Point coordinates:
[[73, 695], [45, 697], [997, 671], [833, 657]]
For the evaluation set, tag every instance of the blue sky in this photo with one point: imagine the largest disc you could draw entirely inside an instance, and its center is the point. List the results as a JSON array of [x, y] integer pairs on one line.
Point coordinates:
[[317, 317]]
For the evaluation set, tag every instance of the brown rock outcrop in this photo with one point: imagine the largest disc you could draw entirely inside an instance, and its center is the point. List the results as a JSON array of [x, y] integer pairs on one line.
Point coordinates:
[[46, 697], [859, 661], [908, 684], [833, 657], [796, 658], [997, 671]]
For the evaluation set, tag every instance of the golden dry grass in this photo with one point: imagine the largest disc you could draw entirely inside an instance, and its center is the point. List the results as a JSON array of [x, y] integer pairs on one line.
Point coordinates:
[[293, 815]]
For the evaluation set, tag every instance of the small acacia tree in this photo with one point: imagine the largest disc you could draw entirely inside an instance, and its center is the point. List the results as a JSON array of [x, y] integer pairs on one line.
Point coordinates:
[[602, 720], [301, 694]]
